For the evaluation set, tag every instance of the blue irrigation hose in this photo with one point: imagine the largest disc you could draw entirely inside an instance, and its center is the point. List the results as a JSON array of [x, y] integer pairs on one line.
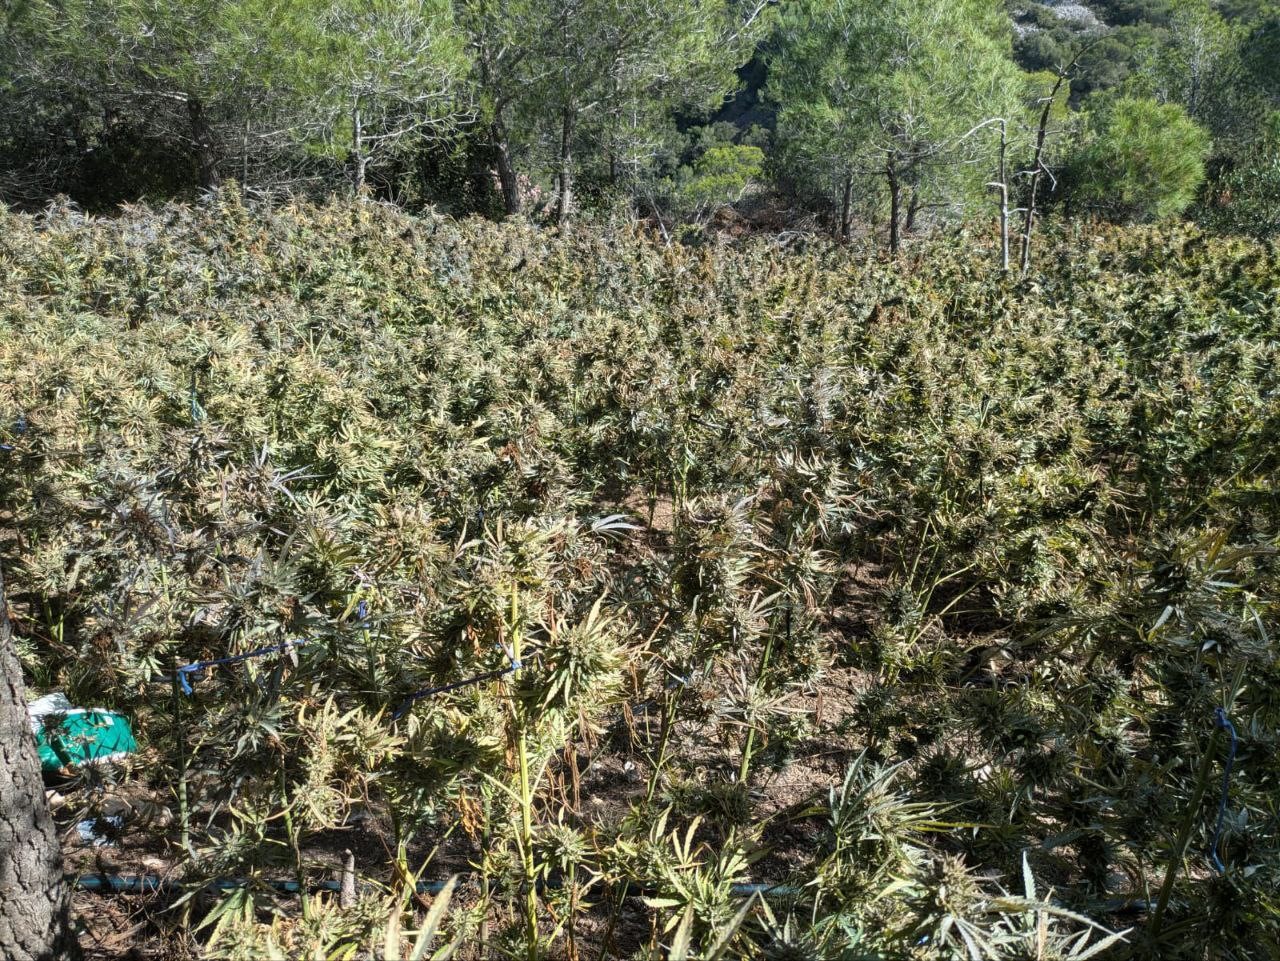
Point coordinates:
[[233, 659], [362, 614], [512, 666], [1221, 720], [20, 427]]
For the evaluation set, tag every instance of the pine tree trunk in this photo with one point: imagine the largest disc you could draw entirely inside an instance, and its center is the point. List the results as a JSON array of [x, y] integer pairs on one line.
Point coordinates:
[[506, 171], [360, 159], [566, 171], [35, 901], [202, 139], [913, 210], [895, 207], [846, 208]]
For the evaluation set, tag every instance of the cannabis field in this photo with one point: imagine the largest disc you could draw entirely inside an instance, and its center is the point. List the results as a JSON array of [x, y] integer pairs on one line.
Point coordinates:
[[615, 600]]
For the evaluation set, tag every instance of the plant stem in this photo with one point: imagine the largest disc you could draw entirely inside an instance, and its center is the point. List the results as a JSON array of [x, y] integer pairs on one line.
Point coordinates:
[[607, 943], [180, 741], [745, 767], [573, 912], [1184, 835], [299, 872], [486, 808], [526, 797], [664, 735], [669, 711]]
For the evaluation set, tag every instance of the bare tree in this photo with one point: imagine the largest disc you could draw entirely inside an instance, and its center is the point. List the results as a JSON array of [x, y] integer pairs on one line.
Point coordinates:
[[1001, 184], [1038, 170]]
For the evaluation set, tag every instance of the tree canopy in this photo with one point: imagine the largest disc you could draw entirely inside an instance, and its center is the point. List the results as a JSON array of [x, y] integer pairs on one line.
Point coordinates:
[[875, 118], [1142, 160], [890, 91]]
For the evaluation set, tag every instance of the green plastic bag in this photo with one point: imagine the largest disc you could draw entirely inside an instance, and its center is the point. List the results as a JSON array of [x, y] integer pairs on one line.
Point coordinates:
[[84, 737]]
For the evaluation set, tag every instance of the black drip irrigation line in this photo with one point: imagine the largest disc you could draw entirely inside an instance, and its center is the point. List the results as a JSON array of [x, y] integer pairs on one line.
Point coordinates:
[[154, 884], [108, 884], [185, 673]]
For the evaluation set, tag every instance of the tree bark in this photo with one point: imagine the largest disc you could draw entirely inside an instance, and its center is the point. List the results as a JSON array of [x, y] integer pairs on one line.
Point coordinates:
[[506, 171], [846, 208], [202, 139], [565, 200], [35, 900], [913, 210], [359, 158], [1037, 170], [895, 206], [1002, 185]]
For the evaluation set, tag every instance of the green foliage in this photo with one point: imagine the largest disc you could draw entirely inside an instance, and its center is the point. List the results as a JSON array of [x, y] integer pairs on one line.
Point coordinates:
[[721, 176], [890, 91], [264, 92], [363, 77], [1262, 55], [594, 86], [1245, 197], [895, 588], [865, 112], [1130, 12], [1142, 160]]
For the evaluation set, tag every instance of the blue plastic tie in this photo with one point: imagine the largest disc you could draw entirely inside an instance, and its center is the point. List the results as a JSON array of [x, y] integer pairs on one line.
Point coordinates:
[[197, 412], [233, 659], [362, 612], [19, 427], [1222, 722]]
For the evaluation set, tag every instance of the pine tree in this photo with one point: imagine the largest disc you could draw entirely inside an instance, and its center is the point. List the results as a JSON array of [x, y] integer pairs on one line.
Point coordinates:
[[891, 92], [1141, 160], [34, 897]]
